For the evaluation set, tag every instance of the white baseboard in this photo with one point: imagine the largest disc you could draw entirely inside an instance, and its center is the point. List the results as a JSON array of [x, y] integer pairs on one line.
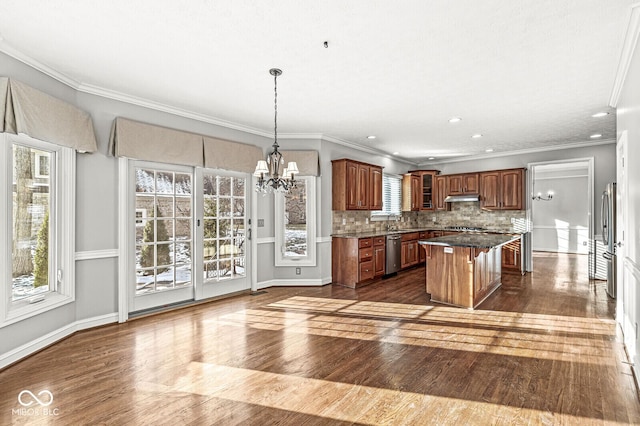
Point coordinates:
[[42, 342], [294, 283]]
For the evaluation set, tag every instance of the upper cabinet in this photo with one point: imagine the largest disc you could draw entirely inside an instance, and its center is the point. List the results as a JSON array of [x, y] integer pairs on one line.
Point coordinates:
[[502, 189], [463, 184], [418, 190], [410, 192], [440, 185], [356, 185]]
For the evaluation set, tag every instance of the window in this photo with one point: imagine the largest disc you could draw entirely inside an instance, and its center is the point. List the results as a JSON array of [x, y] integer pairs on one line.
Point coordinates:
[[295, 229], [37, 214], [163, 244], [391, 198], [224, 216]]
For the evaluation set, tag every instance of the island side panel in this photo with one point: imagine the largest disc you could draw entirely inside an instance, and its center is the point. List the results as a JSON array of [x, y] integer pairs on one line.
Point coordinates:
[[487, 273], [449, 275]]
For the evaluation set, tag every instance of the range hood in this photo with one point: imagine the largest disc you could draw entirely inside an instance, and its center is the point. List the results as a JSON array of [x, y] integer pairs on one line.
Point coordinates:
[[461, 198]]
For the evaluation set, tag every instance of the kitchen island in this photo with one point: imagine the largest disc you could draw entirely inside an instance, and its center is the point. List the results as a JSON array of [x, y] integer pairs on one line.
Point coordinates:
[[464, 269]]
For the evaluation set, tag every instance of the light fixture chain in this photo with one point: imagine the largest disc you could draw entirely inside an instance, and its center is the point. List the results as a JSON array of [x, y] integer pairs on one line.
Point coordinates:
[[275, 108]]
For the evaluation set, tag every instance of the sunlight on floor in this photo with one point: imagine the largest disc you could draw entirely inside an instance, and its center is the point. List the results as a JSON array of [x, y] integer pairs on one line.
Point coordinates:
[[339, 401], [550, 337]]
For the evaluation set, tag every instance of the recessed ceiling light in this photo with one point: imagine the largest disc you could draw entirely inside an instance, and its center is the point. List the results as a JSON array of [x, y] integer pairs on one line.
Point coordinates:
[[396, 153], [488, 150], [432, 158], [596, 136], [455, 119], [600, 114], [371, 137], [476, 136]]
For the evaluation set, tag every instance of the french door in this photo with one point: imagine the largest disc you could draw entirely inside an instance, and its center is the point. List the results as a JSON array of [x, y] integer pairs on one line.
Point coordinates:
[[222, 233], [189, 228]]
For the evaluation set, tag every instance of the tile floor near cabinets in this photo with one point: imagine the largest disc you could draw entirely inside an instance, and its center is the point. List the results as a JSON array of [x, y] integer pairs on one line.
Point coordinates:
[[544, 349]]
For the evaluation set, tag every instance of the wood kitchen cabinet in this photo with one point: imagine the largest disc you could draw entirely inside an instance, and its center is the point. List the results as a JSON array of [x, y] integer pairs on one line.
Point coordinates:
[[441, 193], [409, 250], [410, 192], [357, 261], [502, 189], [356, 185], [512, 257], [463, 184]]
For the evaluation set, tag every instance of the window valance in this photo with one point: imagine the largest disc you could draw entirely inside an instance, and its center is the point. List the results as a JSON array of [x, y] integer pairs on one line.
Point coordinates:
[[142, 141], [26, 110], [227, 155], [133, 139], [307, 161]]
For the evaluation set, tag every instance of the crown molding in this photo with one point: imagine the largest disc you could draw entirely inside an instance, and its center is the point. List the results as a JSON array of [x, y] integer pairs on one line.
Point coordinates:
[[522, 152], [157, 106], [626, 55], [27, 60]]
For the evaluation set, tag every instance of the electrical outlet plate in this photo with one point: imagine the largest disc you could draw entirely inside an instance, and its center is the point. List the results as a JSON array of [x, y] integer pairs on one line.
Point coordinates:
[[298, 271]]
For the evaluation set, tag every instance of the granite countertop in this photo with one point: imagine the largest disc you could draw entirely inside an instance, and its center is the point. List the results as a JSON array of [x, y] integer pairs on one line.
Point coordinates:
[[472, 239], [381, 233]]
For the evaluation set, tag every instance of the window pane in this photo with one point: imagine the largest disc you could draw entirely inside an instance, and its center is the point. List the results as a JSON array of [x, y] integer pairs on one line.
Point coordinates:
[[224, 227], [163, 243], [31, 255], [296, 221]]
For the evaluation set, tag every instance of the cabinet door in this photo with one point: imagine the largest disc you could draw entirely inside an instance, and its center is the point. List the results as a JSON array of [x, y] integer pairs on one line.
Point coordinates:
[[511, 189], [352, 186], [362, 191], [375, 184], [471, 183], [415, 192], [440, 193], [511, 256], [489, 190], [455, 185], [378, 260], [404, 254], [413, 252], [425, 202]]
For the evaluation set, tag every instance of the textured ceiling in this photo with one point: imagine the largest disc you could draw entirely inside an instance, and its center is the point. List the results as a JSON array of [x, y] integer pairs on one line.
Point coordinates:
[[524, 74]]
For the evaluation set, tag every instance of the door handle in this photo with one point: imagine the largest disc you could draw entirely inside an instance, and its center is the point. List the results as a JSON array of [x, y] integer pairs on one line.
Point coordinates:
[[249, 234]]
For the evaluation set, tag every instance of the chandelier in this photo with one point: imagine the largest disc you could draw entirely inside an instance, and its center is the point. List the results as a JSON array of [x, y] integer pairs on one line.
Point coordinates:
[[271, 174]]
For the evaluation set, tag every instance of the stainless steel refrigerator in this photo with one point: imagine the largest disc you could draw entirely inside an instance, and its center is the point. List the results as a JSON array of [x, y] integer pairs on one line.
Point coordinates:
[[608, 217]]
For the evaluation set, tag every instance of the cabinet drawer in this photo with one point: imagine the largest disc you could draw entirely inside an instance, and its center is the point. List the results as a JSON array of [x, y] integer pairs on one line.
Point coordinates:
[[365, 254], [366, 270], [410, 236], [378, 241], [365, 242]]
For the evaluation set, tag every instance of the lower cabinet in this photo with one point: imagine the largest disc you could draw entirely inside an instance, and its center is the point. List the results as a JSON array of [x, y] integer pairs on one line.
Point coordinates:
[[409, 250], [511, 257], [356, 261]]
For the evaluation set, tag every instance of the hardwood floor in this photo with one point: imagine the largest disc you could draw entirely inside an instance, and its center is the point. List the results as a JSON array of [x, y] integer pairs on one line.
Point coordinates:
[[542, 350]]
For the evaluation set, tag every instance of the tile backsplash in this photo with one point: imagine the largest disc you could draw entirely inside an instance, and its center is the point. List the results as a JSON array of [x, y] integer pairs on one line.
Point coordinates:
[[461, 214]]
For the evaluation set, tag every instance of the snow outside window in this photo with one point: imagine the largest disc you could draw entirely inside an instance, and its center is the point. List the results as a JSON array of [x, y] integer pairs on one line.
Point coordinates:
[[37, 195], [295, 224]]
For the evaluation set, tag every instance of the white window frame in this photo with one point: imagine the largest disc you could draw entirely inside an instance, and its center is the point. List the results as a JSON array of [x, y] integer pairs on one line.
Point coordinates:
[[310, 258], [386, 213], [62, 214]]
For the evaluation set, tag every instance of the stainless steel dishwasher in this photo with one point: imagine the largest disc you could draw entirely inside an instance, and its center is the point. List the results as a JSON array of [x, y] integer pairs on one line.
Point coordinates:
[[393, 254]]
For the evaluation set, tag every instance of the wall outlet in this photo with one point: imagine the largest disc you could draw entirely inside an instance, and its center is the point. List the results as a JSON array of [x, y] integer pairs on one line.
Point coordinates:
[[366, 220], [260, 223], [298, 271], [433, 219], [344, 220]]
